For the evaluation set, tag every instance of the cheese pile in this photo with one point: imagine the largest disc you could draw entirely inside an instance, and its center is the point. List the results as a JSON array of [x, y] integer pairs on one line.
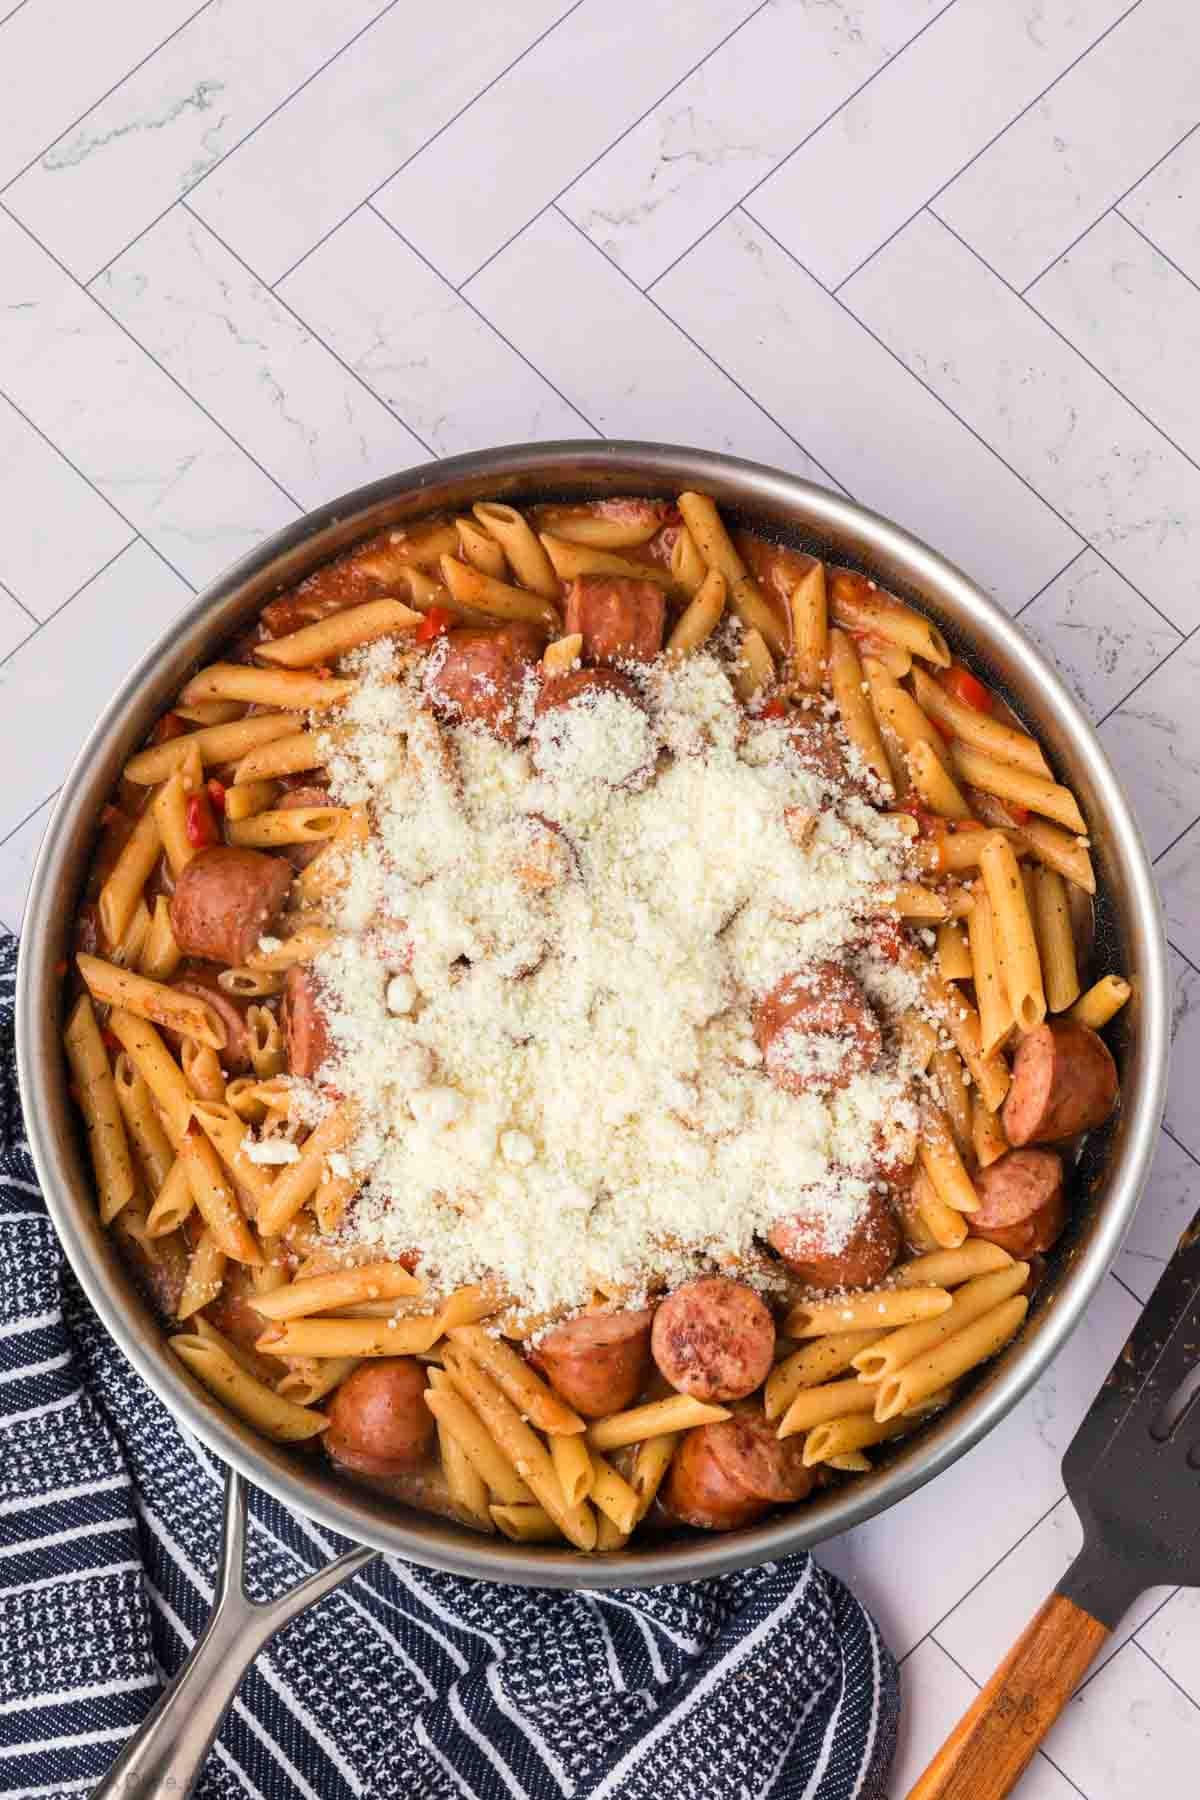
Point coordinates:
[[542, 993]]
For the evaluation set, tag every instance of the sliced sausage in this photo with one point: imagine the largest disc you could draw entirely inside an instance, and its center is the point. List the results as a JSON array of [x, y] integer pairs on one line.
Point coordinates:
[[233, 1313], [1021, 1202], [599, 1362], [577, 685], [774, 567], [203, 984], [619, 617], [303, 793], [305, 1030], [862, 1261], [479, 675], [1064, 1080], [731, 1473], [713, 1339], [816, 1030], [225, 900], [556, 741], [378, 1420]]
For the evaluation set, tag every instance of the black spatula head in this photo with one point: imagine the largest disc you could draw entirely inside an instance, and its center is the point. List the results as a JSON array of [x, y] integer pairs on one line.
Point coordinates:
[[1133, 1467]]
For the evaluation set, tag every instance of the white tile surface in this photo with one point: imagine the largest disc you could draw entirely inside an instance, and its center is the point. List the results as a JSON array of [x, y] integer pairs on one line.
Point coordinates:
[[176, 433], [702, 147], [1165, 204], [1155, 748], [169, 470], [273, 386], [43, 92], [864, 173], [1053, 419], [1135, 317], [70, 668], [1052, 174], [1098, 632], [57, 530], [369, 112], [420, 346], [665, 388], [749, 304], [483, 178]]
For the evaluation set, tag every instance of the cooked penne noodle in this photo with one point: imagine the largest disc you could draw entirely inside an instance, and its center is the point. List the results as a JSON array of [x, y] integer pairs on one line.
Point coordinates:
[[612, 1495], [169, 807], [809, 611], [123, 889], [1003, 743], [716, 547], [974, 1298], [570, 561], [1103, 1000], [323, 642], [205, 1276], [289, 825], [1012, 930], [1055, 939], [216, 1201], [292, 754], [858, 605], [480, 1448], [158, 1067], [562, 654], [331, 1199], [934, 784], [988, 1071], [351, 1337], [912, 901], [151, 1145], [161, 955], [651, 1463], [406, 546], [526, 1524], [942, 1225], [128, 953], [688, 567], [854, 709], [865, 1311], [211, 712], [480, 549], [298, 1180], [853, 1462], [151, 1000], [96, 1093], [286, 688], [895, 706], [847, 1437], [950, 1268], [810, 1365], [214, 743], [1010, 783], [499, 599], [701, 616], [606, 530], [574, 1467], [173, 1204], [754, 670], [937, 1368], [942, 1163], [1058, 849], [608, 1535], [995, 1011], [279, 1419], [242, 801], [678, 1412], [987, 1133], [300, 947], [521, 545], [817, 1405], [309, 1380], [325, 1293], [953, 1085], [267, 1052], [202, 1070], [226, 1133], [918, 1039], [272, 1272], [953, 956], [523, 1448], [532, 1397], [261, 1367], [250, 984]]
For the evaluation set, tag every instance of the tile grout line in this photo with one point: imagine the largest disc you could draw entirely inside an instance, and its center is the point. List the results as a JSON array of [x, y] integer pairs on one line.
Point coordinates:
[[29, 815], [100, 98], [1026, 604], [1182, 834], [314, 336], [33, 426], [1171, 944], [1023, 296], [796, 148], [1179, 1144], [82, 588], [696, 345], [1111, 207], [482, 317], [28, 611], [1040, 1750], [937, 194], [1150, 243], [1160, 664], [1153, 1661]]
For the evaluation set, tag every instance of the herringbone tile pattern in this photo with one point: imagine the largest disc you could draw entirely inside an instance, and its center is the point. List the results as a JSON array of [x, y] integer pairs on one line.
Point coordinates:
[[942, 254]]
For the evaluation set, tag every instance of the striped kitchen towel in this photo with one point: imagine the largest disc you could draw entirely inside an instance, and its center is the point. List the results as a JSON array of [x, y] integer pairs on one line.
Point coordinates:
[[406, 1683]]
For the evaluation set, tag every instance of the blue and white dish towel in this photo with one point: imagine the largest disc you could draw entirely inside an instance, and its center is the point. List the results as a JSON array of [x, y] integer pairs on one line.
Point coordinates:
[[405, 1684]]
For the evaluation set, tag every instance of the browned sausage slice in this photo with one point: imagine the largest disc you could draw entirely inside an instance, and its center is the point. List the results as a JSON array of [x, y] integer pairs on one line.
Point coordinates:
[[478, 676], [556, 737], [1064, 1080], [730, 1473], [225, 900], [305, 1031], [619, 618], [714, 1339], [598, 1362], [303, 793], [863, 1260], [816, 1030], [1021, 1203], [378, 1420], [203, 984]]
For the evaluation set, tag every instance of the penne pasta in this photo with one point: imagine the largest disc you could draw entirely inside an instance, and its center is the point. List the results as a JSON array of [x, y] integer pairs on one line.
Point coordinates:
[[650, 1465], [703, 521], [869, 1310], [173, 1204], [260, 1367], [679, 1412], [974, 1298], [934, 783], [308, 1381], [896, 708], [1010, 783], [499, 599], [202, 1070], [1055, 939], [123, 889], [688, 567], [937, 1368], [242, 801], [151, 1000], [1000, 742], [326, 1293], [522, 547], [605, 528], [943, 1226], [297, 1181], [292, 689], [279, 1419], [941, 1161], [143, 1128], [1012, 930], [479, 1448], [211, 712], [562, 654], [205, 1276], [96, 1095], [858, 605], [526, 1524], [1058, 849], [953, 1085], [226, 1133], [300, 947], [250, 984], [754, 670], [811, 1365], [612, 1495], [809, 612], [480, 549], [351, 1337], [995, 1011], [953, 956], [847, 1437], [327, 639], [854, 710], [292, 754], [574, 1466], [701, 616], [215, 1199], [1103, 1000], [289, 825], [950, 1268], [988, 1071], [161, 1073], [161, 955], [987, 1133], [213, 743], [817, 1405], [912, 901], [532, 1397]]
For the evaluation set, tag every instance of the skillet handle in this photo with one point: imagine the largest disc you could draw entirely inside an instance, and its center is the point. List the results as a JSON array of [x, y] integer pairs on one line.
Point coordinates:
[[985, 1754], [166, 1754]]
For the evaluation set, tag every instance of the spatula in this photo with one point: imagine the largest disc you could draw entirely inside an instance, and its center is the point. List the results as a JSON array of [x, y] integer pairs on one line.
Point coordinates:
[[1133, 1473]]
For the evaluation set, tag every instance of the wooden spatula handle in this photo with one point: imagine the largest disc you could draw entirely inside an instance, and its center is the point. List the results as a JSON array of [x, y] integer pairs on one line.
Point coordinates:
[[984, 1755]]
